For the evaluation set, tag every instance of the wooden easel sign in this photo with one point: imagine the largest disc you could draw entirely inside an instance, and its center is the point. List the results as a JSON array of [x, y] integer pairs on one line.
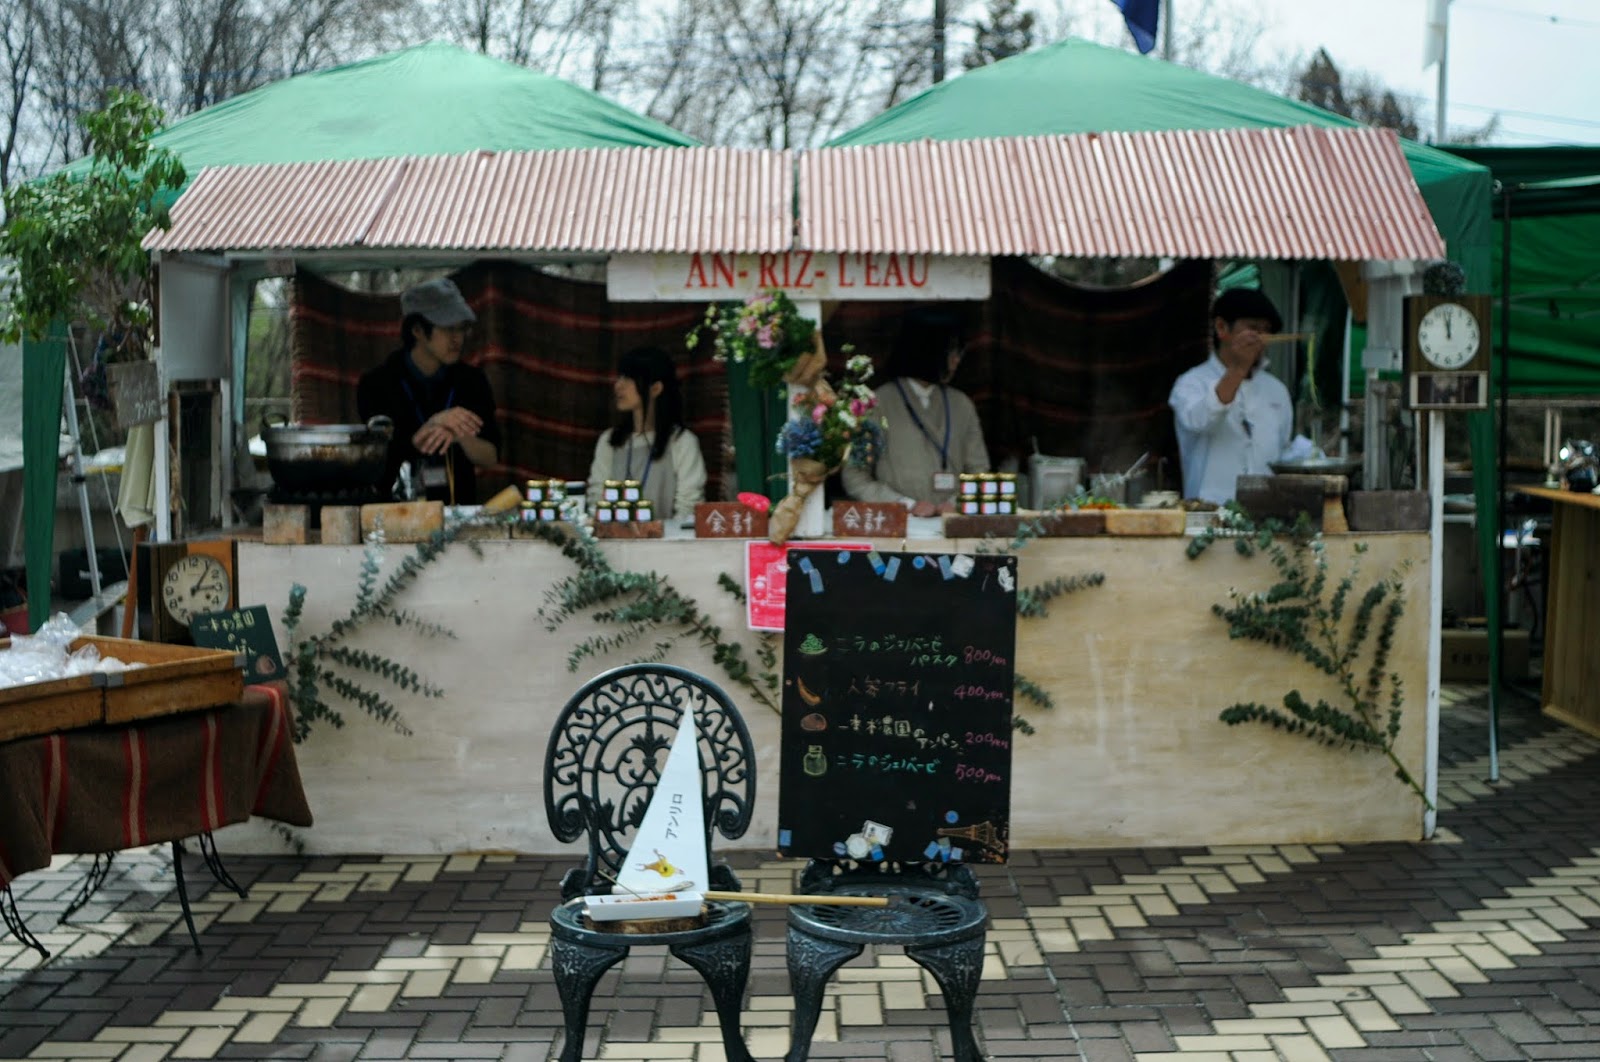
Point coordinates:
[[897, 702]]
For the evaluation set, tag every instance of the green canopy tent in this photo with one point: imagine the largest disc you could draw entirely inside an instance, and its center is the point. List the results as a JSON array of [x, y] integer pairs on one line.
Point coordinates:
[[1078, 87], [1547, 225], [433, 99]]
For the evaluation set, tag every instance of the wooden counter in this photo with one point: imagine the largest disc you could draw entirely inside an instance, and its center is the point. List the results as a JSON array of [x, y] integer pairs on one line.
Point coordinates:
[[1132, 754], [1572, 623]]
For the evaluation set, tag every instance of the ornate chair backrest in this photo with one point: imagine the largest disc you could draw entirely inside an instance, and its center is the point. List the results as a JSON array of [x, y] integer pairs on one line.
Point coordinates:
[[606, 753]]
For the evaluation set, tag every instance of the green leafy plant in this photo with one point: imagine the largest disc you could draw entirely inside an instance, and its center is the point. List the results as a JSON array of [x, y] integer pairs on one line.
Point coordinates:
[[1339, 631], [74, 237], [324, 663], [642, 605]]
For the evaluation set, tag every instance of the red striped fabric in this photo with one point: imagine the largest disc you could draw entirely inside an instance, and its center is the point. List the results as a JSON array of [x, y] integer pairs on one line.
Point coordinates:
[[136, 796]]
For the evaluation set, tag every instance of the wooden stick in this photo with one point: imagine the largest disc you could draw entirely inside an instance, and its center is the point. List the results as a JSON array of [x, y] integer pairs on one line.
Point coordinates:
[[821, 899]]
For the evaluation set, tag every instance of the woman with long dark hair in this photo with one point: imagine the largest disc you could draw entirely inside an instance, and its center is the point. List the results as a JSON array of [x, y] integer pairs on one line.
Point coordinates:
[[649, 442], [931, 433]]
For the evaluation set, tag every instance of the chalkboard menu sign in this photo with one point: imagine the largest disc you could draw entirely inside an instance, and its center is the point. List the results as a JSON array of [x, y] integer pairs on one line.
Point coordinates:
[[243, 630], [897, 690]]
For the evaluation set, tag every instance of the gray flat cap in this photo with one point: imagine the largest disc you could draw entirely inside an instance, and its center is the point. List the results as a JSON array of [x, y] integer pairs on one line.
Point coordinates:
[[439, 301]]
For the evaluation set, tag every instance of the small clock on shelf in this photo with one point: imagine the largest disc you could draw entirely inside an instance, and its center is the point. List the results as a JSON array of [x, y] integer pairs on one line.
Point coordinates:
[[186, 579], [1447, 345]]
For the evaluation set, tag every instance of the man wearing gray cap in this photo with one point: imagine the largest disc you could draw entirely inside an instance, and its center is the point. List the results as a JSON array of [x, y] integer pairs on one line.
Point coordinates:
[[443, 410]]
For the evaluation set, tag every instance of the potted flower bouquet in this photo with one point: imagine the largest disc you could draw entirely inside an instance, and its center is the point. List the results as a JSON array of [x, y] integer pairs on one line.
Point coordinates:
[[829, 427], [767, 334]]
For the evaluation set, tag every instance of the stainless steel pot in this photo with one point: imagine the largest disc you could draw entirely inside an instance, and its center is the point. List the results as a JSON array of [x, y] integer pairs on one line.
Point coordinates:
[[327, 457]]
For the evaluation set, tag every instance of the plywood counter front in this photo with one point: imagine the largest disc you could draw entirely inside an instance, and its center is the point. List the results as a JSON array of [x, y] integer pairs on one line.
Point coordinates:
[[1572, 630], [1132, 754]]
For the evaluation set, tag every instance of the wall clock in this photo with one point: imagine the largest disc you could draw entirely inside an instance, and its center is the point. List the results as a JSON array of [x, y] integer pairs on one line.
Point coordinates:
[[1447, 347], [187, 578]]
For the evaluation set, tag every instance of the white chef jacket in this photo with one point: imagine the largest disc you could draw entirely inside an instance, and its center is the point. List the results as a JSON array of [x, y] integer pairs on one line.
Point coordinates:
[[1219, 443]]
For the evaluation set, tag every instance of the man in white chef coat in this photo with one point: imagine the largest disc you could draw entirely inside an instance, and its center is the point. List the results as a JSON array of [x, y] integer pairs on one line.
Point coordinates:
[[1232, 415]]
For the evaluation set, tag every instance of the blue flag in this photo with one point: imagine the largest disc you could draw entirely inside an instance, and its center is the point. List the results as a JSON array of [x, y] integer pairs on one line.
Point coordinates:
[[1142, 17]]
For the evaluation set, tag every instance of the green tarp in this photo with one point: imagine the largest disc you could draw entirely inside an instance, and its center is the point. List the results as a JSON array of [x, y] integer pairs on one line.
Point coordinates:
[[435, 99]]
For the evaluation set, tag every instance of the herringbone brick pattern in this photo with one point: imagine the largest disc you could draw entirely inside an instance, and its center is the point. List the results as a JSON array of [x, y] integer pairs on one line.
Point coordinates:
[[1483, 944]]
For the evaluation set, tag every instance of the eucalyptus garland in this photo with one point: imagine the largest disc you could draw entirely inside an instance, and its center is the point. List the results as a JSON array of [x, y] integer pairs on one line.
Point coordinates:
[[1340, 632], [322, 663]]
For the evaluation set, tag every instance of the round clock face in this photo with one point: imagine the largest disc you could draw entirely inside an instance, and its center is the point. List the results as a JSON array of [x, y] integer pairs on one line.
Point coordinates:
[[1448, 336], [194, 584]]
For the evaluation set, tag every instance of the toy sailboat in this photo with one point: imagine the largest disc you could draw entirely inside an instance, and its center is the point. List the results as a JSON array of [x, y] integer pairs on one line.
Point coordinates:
[[665, 873]]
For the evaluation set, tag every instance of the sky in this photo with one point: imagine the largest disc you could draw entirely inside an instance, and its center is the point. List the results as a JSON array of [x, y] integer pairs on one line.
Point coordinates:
[[1532, 62]]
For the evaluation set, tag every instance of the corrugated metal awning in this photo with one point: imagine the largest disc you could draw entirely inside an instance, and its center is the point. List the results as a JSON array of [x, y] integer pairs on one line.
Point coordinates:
[[1340, 194], [1304, 192], [597, 200]]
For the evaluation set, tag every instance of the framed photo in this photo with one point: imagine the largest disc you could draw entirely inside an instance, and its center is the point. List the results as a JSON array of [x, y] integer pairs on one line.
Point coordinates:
[[1449, 390]]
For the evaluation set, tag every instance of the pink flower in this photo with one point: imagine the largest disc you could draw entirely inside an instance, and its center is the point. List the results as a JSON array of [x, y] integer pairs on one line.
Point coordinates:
[[818, 411], [747, 325], [765, 338], [859, 406]]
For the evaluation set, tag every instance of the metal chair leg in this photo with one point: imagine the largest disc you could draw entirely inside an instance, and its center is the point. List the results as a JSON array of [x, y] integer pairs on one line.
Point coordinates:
[[183, 894], [208, 852], [812, 961], [99, 870], [13, 922], [957, 967], [578, 968], [725, 965]]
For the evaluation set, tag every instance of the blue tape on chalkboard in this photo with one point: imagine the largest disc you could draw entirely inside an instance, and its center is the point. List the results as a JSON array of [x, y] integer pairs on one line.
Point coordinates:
[[806, 565], [875, 560], [944, 567], [783, 838], [892, 570], [932, 851], [816, 581], [844, 556], [918, 562]]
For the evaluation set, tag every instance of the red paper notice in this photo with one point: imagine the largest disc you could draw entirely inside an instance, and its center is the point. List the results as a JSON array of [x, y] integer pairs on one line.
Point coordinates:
[[766, 578]]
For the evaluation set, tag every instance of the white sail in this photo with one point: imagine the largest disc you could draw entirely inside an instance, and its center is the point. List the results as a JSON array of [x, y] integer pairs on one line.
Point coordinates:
[[669, 851]]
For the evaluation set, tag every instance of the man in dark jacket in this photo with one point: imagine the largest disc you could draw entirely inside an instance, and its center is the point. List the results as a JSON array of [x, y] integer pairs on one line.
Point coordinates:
[[443, 410]]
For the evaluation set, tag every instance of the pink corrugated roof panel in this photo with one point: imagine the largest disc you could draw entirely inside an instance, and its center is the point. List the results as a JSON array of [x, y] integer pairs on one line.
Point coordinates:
[[1305, 192], [597, 200]]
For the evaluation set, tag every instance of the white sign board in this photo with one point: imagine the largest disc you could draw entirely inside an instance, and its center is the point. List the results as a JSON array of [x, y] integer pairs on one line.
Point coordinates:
[[799, 274]]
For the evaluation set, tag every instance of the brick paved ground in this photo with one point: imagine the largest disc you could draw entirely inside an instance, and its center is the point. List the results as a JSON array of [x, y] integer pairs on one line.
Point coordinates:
[[1481, 945]]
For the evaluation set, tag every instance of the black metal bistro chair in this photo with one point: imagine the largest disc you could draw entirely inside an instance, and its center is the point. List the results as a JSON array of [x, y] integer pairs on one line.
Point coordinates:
[[601, 768], [934, 913]]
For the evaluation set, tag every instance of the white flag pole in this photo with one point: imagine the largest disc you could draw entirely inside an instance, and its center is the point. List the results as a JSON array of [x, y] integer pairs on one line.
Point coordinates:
[[1436, 49]]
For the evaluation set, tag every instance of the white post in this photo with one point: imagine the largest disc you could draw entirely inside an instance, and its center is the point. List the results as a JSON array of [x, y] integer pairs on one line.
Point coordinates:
[[1444, 67], [1430, 766], [163, 469], [812, 523]]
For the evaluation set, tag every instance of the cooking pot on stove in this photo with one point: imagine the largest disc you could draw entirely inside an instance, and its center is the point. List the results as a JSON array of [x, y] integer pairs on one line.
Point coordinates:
[[327, 457]]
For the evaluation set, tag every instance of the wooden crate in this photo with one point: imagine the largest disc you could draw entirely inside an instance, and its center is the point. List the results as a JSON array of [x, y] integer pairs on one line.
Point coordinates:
[[45, 707], [175, 678], [1146, 521], [631, 529], [1078, 524]]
